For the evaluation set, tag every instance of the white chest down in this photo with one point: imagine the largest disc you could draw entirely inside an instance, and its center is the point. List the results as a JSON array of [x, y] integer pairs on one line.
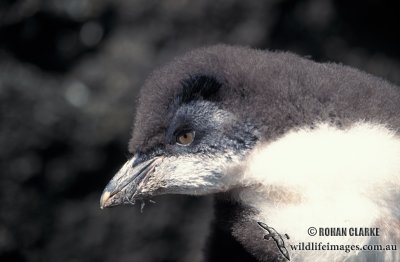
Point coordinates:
[[327, 189]]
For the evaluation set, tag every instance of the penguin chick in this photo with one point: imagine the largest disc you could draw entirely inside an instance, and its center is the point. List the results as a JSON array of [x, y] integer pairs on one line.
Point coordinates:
[[280, 139]]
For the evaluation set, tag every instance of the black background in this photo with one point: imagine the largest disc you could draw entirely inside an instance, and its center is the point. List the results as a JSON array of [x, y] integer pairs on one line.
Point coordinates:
[[70, 71]]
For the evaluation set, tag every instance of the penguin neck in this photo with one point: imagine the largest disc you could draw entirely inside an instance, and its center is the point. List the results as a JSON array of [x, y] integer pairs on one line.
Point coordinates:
[[222, 244], [229, 211], [236, 232]]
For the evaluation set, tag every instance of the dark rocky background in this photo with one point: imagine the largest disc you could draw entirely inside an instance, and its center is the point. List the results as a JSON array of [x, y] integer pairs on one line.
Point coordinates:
[[70, 71]]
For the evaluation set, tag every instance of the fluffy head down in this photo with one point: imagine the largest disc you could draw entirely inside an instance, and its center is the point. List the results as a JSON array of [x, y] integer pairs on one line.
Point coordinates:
[[275, 91]]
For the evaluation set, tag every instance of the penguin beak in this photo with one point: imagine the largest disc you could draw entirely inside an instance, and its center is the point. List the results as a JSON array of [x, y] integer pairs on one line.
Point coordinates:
[[125, 186]]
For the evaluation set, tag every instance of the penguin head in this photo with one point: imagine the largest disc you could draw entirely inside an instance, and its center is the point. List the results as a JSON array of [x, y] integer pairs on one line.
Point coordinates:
[[187, 146]]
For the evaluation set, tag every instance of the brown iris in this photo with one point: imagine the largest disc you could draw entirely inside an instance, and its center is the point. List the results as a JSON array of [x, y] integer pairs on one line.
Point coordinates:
[[186, 138]]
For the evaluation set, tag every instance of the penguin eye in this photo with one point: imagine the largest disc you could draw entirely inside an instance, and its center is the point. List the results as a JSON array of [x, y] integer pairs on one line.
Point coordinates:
[[185, 138]]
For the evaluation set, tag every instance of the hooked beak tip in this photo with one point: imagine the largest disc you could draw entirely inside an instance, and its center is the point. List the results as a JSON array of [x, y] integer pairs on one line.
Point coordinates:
[[124, 185], [104, 198]]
